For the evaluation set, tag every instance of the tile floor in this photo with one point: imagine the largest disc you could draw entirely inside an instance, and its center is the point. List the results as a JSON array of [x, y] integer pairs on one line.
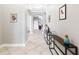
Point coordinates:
[[35, 45]]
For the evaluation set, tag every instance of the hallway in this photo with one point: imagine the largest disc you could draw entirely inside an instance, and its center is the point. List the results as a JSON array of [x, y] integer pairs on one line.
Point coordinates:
[[17, 20], [35, 45]]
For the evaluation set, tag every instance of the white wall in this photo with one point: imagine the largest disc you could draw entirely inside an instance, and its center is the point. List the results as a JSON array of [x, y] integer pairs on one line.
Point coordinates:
[[36, 24], [14, 33], [68, 26], [29, 22], [1, 10]]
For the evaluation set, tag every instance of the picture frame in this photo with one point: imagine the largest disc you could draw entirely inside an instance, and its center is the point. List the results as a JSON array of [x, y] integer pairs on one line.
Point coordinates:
[[49, 18], [13, 18], [62, 12]]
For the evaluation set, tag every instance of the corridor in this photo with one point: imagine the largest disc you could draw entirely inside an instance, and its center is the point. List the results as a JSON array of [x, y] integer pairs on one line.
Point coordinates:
[[35, 45], [17, 20]]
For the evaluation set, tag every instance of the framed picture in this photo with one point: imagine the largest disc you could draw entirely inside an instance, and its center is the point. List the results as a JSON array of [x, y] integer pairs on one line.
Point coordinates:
[[13, 18], [49, 18], [62, 12]]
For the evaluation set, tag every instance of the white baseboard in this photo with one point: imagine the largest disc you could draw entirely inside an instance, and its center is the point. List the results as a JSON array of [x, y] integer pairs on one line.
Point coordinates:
[[12, 45]]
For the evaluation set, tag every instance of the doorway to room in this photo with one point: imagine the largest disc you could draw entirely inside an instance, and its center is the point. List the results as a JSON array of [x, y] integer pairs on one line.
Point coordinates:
[[38, 22], [35, 20], [35, 42]]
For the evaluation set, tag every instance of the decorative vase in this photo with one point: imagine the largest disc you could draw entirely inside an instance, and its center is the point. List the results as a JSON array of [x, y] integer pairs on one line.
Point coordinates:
[[66, 40]]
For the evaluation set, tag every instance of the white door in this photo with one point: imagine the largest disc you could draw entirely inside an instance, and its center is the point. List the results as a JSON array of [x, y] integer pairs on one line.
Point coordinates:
[[35, 24]]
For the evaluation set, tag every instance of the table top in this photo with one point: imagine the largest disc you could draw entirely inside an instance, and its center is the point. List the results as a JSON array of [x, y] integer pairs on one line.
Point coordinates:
[[61, 41]]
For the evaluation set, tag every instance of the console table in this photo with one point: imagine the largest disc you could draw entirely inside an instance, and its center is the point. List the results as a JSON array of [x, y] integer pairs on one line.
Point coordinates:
[[67, 48]]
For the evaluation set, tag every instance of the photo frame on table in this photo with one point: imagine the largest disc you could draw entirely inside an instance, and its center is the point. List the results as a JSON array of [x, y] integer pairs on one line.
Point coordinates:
[[13, 18], [62, 12]]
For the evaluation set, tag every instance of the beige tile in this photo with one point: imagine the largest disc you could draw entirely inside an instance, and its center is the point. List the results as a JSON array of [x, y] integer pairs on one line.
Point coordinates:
[[35, 45]]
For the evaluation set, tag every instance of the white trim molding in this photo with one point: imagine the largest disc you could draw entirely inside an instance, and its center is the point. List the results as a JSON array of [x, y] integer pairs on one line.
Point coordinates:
[[12, 45]]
